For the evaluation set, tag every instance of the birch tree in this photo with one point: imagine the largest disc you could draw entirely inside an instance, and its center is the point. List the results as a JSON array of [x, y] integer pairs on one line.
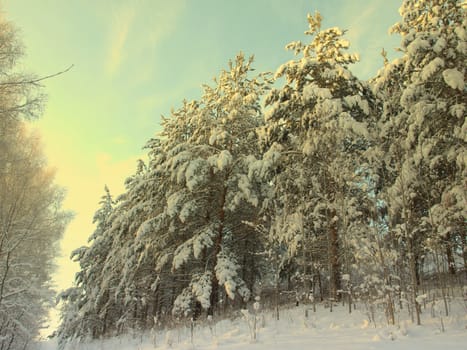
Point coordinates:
[[31, 219]]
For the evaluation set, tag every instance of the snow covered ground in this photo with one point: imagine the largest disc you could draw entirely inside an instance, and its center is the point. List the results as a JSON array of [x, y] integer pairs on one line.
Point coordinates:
[[321, 330]]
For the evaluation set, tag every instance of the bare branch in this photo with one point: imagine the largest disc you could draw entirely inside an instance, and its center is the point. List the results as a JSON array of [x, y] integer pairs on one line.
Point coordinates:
[[38, 80]]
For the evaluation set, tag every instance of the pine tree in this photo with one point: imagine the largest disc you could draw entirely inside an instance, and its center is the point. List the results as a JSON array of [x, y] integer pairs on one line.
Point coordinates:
[[177, 234], [212, 195], [317, 125], [83, 313], [423, 130]]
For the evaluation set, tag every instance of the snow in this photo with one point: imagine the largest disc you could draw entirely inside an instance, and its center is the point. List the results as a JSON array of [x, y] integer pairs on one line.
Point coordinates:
[[461, 33], [195, 244], [181, 255], [262, 167], [454, 78], [312, 91], [283, 68], [202, 289], [320, 330], [308, 147], [347, 123], [250, 98], [202, 241], [187, 210], [329, 107], [173, 203], [462, 47], [416, 45], [343, 43], [195, 173], [431, 68], [337, 71], [217, 135], [245, 191], [224, 160], [409, 95], [356, 100], [226, 273], [439, 45], [181, 307]]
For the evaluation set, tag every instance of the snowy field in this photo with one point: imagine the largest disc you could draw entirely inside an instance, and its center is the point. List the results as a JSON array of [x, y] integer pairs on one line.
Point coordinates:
[[321, 330]]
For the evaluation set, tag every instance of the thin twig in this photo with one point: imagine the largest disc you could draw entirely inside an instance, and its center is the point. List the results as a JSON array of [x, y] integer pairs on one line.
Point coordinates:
[[36, 81]]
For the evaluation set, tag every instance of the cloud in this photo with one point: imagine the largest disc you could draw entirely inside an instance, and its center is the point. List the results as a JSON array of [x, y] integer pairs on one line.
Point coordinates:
[[137, 29], [156, 23], [120, 27], [166, 20]]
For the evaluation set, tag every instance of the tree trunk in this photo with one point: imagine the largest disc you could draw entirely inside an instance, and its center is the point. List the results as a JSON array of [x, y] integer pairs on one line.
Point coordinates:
[[320, 286], [333, 253], [277, 296], [464, 252], [214, 297], [450, 256], [387, 280], [413, 275]]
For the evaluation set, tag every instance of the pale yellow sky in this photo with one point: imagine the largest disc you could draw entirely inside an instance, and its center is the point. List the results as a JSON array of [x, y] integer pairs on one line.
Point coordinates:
[[83, 195]]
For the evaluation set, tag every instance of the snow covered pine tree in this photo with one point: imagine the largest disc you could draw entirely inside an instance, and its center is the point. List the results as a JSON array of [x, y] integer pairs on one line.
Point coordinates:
[[316, 133], [423, 134]]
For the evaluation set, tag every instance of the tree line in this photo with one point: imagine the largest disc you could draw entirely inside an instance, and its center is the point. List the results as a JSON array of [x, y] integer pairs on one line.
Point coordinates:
[[307, 180]]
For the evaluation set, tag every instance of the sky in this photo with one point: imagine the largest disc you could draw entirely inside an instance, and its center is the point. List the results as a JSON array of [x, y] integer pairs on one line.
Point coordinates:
[[135, 60]]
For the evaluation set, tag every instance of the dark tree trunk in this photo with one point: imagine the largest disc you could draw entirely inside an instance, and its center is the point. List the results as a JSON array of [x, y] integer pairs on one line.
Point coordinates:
[[214, 297], [464, 252], [333, 252], [320, 286], [450, 256], [415, 278]]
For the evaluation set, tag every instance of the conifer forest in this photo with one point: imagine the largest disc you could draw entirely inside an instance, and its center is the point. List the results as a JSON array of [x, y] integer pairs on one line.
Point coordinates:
[[305, 185]]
